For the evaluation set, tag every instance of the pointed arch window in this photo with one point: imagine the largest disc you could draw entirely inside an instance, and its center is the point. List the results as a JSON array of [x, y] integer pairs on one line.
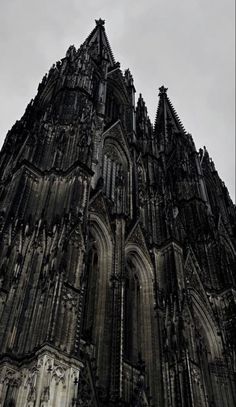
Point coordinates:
[[114, 107], [92, 281], [132, 312], [109, 175], [115, 182]]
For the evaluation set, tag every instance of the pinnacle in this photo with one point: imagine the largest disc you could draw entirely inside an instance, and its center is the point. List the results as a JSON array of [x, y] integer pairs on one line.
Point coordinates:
[[141, 100], [171, 114]]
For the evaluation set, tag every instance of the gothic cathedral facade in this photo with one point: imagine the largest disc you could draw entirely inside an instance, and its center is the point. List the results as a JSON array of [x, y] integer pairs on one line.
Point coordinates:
[[117, 250]]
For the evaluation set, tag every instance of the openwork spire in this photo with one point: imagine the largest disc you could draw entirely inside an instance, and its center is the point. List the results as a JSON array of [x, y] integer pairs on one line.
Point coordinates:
[[166, 116], [98, 36]]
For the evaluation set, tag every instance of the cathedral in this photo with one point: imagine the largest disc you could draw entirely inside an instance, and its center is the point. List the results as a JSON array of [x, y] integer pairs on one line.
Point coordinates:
[[117, 249]]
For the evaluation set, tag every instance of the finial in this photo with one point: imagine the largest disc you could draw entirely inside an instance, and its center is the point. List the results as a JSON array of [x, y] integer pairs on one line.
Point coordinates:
[[100, 22], [141, 98], [162, 90]]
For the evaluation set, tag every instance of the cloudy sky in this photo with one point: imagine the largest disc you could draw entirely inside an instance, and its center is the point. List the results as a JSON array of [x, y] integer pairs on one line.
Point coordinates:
[[186, 45]]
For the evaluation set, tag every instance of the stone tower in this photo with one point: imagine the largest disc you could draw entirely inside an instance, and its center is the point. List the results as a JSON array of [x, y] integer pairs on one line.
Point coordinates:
[[118, 249]]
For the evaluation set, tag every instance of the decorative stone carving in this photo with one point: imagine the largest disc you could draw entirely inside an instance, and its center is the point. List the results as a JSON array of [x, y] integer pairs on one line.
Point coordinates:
[[117, 246]]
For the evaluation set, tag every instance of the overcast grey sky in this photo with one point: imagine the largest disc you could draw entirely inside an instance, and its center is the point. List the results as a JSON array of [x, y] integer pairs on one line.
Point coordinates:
[[187, 45]]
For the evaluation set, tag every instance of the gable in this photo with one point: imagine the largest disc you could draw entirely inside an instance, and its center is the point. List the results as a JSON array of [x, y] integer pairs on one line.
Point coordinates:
[[98, 206], [136, 238], [115, 142]]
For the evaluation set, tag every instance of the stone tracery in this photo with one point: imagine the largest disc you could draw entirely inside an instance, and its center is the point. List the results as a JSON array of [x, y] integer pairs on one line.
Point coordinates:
[[117, 280]]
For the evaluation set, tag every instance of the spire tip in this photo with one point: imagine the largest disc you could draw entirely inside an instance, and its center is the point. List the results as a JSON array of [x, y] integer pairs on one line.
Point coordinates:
[[100, 22], [162, 90]]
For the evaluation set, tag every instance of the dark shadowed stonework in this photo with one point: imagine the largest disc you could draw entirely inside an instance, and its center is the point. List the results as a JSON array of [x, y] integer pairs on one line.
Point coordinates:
[[117, 269]]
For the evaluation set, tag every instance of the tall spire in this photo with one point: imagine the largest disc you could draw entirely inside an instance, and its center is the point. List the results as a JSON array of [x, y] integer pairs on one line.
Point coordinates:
[[98, 38], [166, 118]]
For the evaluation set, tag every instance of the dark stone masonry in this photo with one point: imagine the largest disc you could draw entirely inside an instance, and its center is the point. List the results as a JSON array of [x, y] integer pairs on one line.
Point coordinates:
[[117, 249]]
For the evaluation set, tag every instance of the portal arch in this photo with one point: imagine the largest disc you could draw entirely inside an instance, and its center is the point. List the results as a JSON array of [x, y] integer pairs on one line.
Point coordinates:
[[207, 326], [98, 301]]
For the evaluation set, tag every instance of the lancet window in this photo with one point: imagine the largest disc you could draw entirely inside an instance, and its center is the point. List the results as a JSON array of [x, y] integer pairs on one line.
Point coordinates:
[[116, 180], [110, 169], [141, 192], [92, 273], [132, 315], [114, 110]]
